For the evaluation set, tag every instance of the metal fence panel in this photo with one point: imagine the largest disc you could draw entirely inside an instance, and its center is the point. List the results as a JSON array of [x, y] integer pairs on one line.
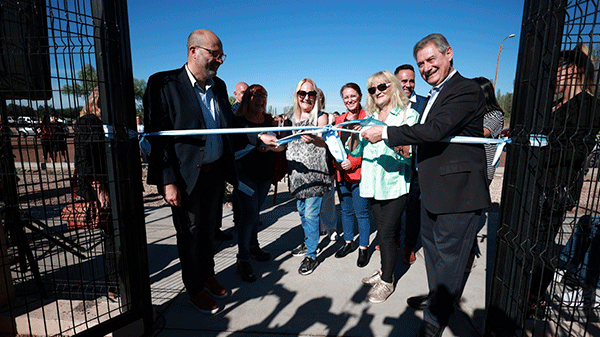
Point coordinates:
[[547, 237], [56, 59]]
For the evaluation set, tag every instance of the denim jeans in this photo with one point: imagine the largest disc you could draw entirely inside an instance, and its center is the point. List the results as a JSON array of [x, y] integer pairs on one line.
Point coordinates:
[[309, 209], [353, 204], [249, 207], [581, 254]]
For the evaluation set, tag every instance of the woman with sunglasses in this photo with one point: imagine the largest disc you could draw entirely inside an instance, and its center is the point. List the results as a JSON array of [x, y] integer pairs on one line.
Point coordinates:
[[385, 175], [255, 171], [348, 179], [309, 171]]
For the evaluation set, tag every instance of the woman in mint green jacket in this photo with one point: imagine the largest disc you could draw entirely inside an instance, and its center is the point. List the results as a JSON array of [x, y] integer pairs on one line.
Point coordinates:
[[385, 175]]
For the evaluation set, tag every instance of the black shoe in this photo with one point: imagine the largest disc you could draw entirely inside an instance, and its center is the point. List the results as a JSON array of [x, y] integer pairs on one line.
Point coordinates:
[[363, 257], [260, 254], [222, 236], [418, 302], [429, 330], [300, 250], [245, 270], [346, 249], [308, 265]]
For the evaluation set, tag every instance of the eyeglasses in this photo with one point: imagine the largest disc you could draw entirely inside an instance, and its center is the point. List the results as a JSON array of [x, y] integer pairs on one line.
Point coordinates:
[[259, 95], [311, 94], [215, 53], [381, 87]]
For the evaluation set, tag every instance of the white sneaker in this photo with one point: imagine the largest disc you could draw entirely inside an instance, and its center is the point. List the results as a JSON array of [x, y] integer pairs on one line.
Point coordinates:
[[334, 236], [373, 279], [579, 298], [380, 291]]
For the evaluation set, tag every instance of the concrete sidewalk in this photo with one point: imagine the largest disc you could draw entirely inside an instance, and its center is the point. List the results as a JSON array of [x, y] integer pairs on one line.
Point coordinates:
[[329, 302]]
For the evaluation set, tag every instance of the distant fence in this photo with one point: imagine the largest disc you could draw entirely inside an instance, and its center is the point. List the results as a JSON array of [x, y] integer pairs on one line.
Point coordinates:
[[57, 57], [545, 275]]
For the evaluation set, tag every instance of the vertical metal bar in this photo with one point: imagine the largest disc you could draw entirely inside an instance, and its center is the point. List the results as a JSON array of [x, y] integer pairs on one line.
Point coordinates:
[[115, 75]]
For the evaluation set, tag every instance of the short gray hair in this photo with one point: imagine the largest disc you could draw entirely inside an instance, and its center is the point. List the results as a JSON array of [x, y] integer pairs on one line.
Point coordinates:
[[438, 39]]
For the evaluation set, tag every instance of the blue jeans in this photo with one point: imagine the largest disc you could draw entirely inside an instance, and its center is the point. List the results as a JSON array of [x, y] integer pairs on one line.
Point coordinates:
[[581, 254], [353, 204], [249, 207], [309, 209]]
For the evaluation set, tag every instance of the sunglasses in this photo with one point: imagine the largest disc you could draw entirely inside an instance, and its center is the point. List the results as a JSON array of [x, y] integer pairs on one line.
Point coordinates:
[[311, 94], [381, 87]]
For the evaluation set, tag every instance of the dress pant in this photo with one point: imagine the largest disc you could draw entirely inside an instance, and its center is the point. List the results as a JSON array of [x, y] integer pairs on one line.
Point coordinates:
[[413, 212], [447, 242], [195, 223], [328, 213]]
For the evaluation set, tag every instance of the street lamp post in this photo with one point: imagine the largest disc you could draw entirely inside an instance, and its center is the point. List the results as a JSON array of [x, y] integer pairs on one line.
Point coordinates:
[[498, 62]]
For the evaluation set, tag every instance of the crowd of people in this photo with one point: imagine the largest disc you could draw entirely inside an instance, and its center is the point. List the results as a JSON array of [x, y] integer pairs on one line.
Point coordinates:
[[53, 138], [400, 165]]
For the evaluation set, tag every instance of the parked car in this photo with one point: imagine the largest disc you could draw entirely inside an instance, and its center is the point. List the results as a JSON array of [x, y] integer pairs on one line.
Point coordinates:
[[25, 131], [24, 120]]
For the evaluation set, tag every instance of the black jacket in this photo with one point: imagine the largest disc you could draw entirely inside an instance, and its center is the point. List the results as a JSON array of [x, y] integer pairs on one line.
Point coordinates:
[[170, 103], [452, 177]]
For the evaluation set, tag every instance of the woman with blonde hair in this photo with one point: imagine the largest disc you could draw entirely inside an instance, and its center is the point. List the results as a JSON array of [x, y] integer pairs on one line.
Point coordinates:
[[309, 171], [385, 175], [92, 179]]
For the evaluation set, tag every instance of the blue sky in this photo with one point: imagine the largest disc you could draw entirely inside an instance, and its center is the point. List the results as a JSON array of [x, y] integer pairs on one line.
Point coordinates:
[[277, 43]]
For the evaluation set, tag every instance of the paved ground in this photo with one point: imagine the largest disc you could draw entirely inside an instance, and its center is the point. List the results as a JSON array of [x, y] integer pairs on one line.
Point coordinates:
[[329, 302]]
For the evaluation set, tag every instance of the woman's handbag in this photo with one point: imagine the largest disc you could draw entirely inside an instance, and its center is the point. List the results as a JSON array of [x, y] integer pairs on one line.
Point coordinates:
[[84, 215]]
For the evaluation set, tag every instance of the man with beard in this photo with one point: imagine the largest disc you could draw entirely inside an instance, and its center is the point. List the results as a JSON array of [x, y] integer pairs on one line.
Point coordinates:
[[190, 171]]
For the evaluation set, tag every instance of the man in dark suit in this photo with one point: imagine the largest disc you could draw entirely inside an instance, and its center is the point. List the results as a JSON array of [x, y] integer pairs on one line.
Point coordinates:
[[190, 171], [452, 176], [406, 75]]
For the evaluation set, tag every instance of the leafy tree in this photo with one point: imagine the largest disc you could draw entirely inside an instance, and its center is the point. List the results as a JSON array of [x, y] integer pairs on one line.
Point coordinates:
[[15, 110], [87, 80], [505, 101], [139, 87]]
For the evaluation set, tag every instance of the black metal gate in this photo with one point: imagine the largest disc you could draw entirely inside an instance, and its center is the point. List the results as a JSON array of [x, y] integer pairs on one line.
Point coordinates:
[[545, 275], [61, 272]]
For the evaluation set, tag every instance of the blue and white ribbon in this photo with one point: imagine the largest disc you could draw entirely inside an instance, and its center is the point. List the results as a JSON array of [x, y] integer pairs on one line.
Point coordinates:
[[328, 132]]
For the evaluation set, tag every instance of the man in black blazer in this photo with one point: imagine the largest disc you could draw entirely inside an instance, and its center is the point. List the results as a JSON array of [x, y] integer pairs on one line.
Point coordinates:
[[452, 176], [190, 171]]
